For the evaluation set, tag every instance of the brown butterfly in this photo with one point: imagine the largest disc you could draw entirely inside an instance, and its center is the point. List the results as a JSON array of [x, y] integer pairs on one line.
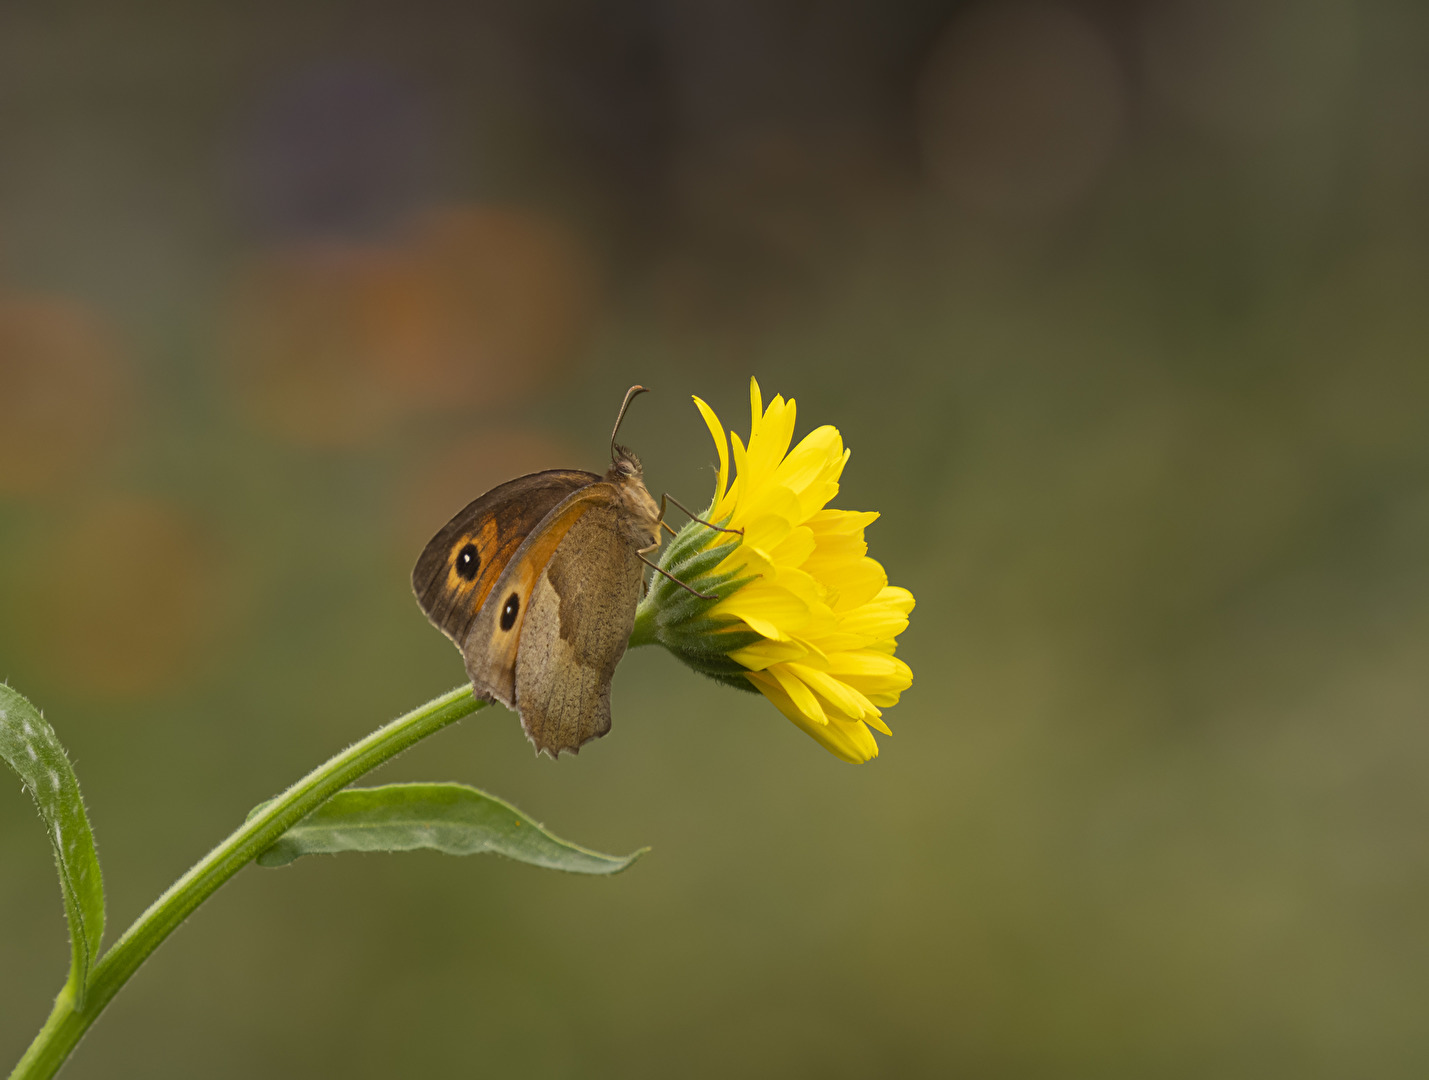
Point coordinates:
[[537, 582]]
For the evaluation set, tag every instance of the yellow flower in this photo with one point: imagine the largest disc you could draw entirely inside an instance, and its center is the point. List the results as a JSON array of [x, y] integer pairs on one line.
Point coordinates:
[[804, 614]]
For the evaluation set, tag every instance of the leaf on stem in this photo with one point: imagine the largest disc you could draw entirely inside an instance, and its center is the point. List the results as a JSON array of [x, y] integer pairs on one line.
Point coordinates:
[[29, 746], [451, 818]]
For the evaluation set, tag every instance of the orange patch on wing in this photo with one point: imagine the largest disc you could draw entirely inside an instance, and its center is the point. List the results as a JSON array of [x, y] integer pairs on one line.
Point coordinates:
[[543, 542], [494, 552]]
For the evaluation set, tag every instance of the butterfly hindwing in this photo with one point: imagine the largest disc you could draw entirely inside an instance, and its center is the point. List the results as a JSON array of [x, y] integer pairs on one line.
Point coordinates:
[[459, 566], [578, 620]]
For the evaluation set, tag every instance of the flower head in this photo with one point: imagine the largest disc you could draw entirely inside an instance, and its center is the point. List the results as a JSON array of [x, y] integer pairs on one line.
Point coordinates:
[[802, 614]]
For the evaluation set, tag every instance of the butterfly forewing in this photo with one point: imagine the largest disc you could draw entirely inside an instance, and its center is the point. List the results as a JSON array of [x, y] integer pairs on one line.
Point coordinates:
[[459, 566], [494, 633]]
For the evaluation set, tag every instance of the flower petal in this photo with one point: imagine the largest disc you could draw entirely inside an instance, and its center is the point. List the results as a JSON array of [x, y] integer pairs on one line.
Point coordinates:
[[802, 697], [768, 446], [769, 500], [898, 597], [876, 722], [848, 740], [721, 445], [856, 584], [795, 549], [729, 505], [835, 694], [767, 529], [761, 654], [881, 619], [838, 541], [769, 609], [873, 673], [833, 522], [818, 455]]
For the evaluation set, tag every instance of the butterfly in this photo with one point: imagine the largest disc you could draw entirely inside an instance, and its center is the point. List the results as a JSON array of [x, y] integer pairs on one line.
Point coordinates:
[[537, 582]]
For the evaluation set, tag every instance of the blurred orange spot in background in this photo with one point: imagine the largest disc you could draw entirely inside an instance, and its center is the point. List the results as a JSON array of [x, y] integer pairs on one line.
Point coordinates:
[[515, 297], [62, 391], [315, 331], [332, 345], [126, 596]]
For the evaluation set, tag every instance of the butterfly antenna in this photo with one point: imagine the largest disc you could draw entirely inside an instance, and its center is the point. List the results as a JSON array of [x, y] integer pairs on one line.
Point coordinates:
[[630, 396]]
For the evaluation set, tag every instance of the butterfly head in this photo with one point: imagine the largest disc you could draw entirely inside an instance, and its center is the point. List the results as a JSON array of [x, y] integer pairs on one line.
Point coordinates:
[[624, 465]]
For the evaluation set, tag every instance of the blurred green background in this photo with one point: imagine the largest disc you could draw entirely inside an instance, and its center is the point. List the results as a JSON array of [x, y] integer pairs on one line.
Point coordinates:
[[1124, 310]]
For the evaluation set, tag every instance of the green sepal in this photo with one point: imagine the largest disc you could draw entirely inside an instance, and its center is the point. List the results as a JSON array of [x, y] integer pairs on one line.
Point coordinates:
[[720, 667], [697, 563], [682, 621], [699, 643], [739, 682], [694, 538], [694, 570]]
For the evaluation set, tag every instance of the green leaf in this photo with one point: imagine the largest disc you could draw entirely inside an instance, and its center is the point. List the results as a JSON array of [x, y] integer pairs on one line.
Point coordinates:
[[452, 818], [29, 746]]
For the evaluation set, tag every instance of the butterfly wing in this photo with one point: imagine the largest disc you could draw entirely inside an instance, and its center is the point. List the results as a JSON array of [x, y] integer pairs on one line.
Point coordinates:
[[459, 566], [547, 641], [580, 618]]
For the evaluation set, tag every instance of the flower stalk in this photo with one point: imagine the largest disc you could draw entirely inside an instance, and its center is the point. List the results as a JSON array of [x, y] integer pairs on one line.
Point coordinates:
[[66, 1024]]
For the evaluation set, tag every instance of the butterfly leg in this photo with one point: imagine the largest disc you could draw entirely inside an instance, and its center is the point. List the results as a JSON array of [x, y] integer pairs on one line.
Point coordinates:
[[662, 522], [677, 581], [691, 516]]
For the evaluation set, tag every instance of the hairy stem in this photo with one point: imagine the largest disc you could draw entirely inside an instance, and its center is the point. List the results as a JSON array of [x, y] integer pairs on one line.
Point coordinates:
[[67, 1025]]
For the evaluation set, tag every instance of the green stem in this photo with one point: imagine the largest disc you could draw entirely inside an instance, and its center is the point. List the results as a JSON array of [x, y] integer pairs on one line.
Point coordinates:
[[66, 1025]]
